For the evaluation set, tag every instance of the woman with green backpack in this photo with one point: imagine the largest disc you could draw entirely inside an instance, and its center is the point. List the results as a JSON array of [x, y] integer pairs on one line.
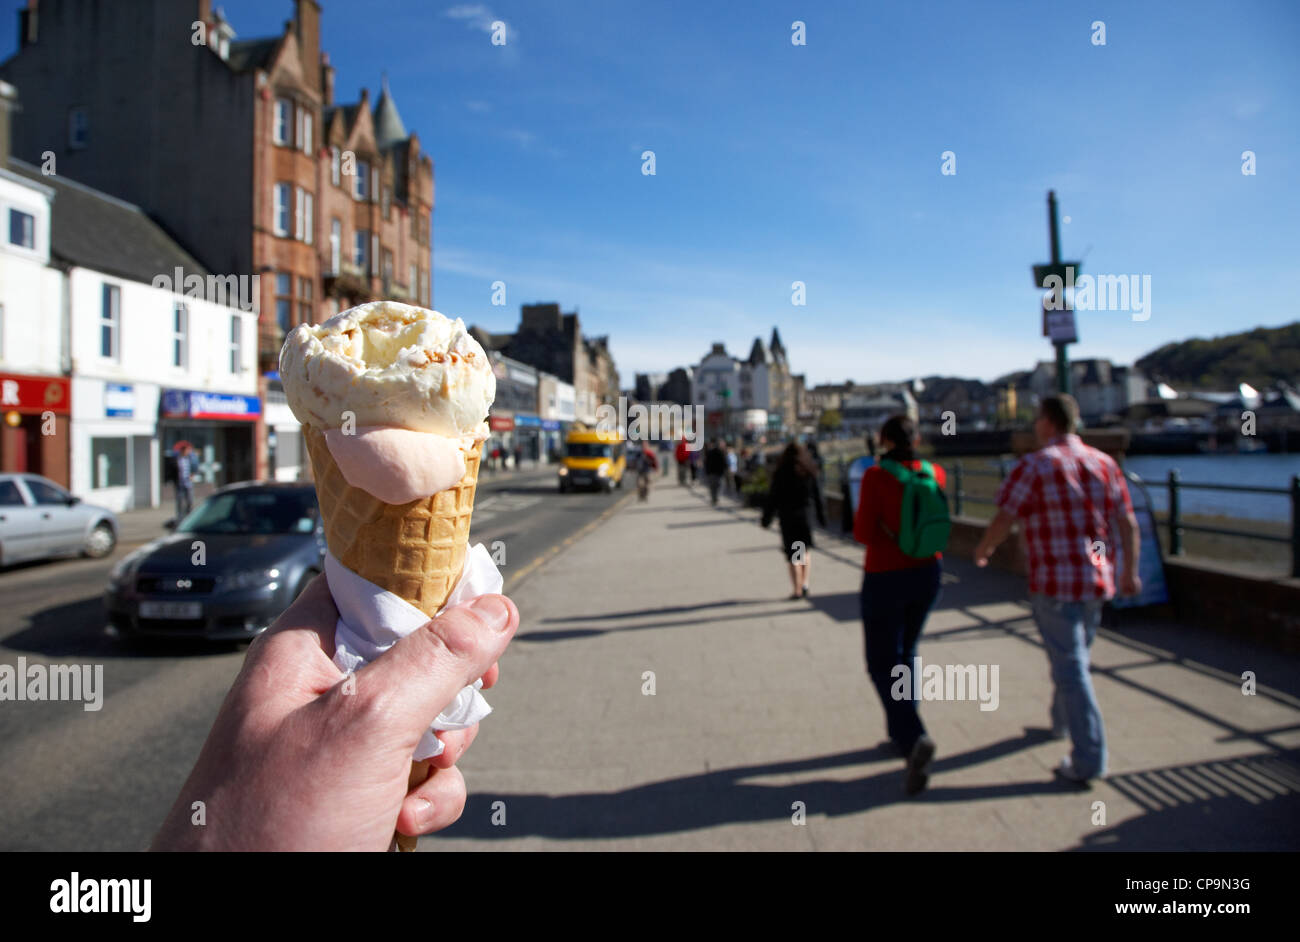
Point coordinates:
[[902, 518]]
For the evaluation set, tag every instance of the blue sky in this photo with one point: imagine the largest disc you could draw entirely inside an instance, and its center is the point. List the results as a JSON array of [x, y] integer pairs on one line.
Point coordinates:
[[821, 163]]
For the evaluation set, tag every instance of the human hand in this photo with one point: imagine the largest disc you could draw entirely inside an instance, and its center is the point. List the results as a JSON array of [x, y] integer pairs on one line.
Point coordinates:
[[1130, 583], [982, 553], [302, 757]]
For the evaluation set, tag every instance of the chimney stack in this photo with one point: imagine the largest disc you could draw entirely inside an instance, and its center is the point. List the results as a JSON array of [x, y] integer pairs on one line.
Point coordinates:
[[27, 25], [8, 105], [326, 80], [307, 25]]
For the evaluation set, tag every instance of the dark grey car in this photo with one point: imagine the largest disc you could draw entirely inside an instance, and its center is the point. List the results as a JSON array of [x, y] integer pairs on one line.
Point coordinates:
[[227, 570]]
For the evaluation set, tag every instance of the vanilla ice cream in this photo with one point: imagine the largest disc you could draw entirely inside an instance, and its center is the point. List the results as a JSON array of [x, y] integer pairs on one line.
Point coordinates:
[[401, 393]]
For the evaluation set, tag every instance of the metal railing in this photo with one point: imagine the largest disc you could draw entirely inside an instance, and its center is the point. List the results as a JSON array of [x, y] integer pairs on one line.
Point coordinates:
[[1177, 526], [1175, 523]]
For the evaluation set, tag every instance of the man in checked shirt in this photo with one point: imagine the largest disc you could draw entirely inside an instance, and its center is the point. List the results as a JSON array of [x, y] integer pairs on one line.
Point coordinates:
[[1071, 500]]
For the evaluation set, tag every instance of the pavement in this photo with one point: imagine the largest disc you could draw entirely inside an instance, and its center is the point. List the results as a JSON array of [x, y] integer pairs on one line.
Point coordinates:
[[662, 693]]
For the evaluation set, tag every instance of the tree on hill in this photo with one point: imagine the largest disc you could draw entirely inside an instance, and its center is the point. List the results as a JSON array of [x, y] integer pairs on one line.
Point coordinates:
[[1260, 357], [830, 420]]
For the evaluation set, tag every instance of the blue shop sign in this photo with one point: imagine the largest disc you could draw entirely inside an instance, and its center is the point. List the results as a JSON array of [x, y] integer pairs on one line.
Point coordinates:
[[187, 404], [551, 425], [527, 421], [119, 401]]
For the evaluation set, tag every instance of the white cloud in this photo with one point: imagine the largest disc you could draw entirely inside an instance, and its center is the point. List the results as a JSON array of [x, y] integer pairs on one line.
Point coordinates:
[[477, 16]]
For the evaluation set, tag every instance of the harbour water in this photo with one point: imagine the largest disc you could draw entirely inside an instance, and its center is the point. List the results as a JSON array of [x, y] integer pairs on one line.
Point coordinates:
[[1259, 470]]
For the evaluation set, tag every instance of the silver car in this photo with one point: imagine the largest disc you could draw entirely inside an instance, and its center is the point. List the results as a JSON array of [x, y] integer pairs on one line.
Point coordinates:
[[39, 519]]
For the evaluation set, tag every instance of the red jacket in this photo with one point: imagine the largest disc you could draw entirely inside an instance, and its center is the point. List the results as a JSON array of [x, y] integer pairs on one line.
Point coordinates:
[[682, 453], [881, 499]]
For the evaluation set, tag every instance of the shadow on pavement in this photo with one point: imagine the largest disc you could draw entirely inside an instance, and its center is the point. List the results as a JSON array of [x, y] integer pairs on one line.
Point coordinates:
[[701, 523], [724, 797], [1232, 804], [77, 629], [569, 634], [666, 610], [1250, 802]]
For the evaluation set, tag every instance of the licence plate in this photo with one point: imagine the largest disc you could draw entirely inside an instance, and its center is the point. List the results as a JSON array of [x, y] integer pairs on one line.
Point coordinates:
[[171, 610]]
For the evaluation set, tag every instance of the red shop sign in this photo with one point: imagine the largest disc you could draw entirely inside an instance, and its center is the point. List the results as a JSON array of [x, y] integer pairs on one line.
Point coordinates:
[[501, 423], [35, 394]]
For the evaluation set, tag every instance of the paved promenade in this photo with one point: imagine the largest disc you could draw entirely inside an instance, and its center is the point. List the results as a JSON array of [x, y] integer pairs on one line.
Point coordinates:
[[762, 709]]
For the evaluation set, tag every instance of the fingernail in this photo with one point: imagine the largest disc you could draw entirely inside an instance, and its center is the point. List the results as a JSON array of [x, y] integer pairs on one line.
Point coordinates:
[[493, 610], [423, 812]]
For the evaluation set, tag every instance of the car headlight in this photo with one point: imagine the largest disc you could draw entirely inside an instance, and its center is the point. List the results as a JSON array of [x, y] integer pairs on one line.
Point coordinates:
[[250, 578], [124, 570], [564, 472], [602, 471]]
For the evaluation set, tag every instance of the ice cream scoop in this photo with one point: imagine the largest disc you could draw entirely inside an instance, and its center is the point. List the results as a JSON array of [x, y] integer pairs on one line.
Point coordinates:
[[388, 364]]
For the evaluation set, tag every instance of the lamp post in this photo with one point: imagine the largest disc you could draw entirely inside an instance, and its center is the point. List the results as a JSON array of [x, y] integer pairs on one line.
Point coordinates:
[[1058, 317]]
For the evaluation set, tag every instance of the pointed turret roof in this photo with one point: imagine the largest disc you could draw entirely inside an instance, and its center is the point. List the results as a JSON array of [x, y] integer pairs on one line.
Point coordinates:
[[389, 128], [757, 353], [776, 346]]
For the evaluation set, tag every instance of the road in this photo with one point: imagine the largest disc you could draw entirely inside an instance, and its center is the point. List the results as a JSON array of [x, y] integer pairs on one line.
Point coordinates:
[[102, 780]]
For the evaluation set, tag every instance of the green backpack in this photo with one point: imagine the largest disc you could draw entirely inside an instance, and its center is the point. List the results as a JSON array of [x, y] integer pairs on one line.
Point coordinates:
[[924, 521]]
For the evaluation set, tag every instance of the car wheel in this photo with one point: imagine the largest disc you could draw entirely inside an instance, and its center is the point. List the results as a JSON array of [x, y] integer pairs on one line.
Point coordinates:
[[100, 542]]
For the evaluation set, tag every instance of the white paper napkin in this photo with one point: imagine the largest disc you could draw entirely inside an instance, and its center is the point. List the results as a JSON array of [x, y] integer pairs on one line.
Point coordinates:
[[371, 620]]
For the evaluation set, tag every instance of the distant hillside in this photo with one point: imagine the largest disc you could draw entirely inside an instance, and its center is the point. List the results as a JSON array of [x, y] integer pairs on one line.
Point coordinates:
[[1260, 357]]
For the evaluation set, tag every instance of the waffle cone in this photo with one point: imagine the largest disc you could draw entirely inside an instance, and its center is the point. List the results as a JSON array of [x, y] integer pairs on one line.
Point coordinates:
[[414, 550]]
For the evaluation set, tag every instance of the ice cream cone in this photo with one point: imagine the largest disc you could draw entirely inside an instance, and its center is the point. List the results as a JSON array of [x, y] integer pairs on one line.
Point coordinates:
[[415, 387], [415, 550]]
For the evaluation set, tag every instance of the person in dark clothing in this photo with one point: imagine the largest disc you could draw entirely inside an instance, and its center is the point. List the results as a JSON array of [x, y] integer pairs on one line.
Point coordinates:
[[814, 454], [794, 488], [897, 593], [715, 468]]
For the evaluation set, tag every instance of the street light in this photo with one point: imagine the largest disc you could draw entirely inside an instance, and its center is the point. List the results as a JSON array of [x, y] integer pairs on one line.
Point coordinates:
[[1058, 318]]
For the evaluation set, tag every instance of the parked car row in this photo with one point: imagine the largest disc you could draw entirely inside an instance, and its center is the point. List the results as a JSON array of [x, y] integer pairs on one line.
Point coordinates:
[[223, 572]]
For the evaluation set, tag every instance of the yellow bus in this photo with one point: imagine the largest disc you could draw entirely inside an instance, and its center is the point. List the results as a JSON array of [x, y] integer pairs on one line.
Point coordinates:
[[593, 458]]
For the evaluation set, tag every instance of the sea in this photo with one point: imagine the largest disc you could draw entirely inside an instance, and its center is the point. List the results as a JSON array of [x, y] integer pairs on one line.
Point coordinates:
[[1258, 470]]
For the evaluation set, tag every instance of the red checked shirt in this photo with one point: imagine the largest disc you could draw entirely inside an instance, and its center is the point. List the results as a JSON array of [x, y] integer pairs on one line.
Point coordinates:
[[1067, 496]]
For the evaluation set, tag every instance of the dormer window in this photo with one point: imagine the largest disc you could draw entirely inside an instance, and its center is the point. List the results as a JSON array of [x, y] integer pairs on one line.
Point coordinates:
[[283, 111], [304, 130]]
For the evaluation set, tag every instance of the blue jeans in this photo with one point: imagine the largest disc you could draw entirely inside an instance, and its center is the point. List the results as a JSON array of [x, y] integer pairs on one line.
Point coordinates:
[[1068, 629], [895, 605]]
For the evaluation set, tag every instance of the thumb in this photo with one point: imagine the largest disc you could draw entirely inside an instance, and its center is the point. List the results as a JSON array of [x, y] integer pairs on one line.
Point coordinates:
[[421, 674]]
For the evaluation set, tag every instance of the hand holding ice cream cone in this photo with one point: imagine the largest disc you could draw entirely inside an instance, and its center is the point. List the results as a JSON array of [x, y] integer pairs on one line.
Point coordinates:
[[394, 402]]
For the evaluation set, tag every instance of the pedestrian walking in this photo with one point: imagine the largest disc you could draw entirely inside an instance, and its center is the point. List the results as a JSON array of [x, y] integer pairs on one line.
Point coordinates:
[[733, 465], [665, 449], [715, 468], [683, 456], [1073, 505], [696, 459], [645, 465], [184, 479], [793, 490], [519, 456], [903, 521]]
